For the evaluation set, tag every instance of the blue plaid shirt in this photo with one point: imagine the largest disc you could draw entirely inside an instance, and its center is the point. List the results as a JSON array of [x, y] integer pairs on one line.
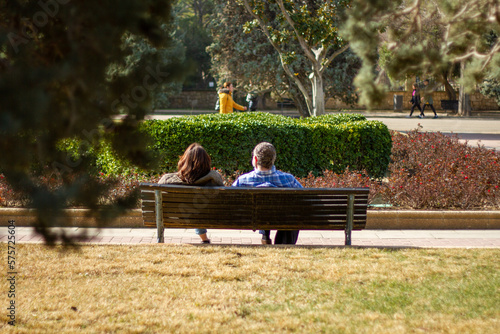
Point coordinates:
[[270, 178]]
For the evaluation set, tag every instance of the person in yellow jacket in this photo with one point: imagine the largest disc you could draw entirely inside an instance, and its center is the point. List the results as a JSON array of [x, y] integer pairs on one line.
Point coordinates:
[[226, 101]]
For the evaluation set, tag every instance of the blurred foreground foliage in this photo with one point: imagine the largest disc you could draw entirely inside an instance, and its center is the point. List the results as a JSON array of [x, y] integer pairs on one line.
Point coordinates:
[[55, 58]]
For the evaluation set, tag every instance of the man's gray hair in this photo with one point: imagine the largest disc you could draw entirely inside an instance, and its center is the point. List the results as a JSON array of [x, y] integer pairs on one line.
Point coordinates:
[[266, 154]]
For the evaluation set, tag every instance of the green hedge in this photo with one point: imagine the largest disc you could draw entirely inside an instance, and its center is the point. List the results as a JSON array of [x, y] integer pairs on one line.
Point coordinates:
[[314, 144]]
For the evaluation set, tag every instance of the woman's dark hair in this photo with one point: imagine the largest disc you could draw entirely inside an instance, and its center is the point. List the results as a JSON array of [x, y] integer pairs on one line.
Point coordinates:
[[194, 163], [226, 85]]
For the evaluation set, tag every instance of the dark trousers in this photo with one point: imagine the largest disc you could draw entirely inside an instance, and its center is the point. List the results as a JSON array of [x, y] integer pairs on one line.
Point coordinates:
[[432, 107], [413, 107], [282, 237], [252, 105]]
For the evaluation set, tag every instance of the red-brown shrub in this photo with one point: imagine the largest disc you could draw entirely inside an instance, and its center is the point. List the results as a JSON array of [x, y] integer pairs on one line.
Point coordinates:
[[348, 179], [437, 171]]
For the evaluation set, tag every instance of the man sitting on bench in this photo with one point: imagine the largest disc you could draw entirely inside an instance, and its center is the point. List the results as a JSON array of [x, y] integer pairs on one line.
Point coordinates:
[[266, 175]]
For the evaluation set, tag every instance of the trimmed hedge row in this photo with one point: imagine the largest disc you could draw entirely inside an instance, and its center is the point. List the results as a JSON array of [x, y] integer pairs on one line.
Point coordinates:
[[328, 142]]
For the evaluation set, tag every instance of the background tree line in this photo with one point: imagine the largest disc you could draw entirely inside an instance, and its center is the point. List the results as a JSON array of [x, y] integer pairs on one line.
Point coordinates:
[[311, 50]]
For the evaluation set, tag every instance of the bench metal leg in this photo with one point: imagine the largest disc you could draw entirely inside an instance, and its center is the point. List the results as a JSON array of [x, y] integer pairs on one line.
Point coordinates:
[[159, 216], [350, 219]]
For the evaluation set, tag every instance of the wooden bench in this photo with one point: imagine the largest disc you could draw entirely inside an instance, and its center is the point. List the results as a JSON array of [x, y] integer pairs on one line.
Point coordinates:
[[175, 206], [449, 105]]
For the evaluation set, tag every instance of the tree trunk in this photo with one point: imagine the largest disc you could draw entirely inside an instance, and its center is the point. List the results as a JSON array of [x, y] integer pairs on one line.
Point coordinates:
[[261, 98], [464, 107], [298, 98], [318, 96], [300, 104], [452, 95]]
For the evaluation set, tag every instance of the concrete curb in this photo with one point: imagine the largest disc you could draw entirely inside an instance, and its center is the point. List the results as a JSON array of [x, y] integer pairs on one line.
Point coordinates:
[[377, 219], [432, 220], [75, 218]]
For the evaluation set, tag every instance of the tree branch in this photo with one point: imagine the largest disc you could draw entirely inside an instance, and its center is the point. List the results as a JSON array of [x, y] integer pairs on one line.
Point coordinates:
[[333, 56], [262, 26], [302, 41], [404, 12], [315, 57]]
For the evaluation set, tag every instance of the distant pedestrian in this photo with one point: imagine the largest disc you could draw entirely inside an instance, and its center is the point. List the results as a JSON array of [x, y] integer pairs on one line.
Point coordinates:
[[415, 101], [252, 98], [226, 101], [428, 101]]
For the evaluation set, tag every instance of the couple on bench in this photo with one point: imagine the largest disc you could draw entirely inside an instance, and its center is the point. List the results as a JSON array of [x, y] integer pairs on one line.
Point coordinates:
[[194, 168]]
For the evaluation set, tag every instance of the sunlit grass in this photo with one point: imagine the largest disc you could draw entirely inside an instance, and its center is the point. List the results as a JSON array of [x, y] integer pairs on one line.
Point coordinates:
[[196, 289]]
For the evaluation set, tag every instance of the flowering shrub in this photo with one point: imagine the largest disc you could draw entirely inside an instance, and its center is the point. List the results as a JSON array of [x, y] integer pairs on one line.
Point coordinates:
[[427, 171], [12, 198], [120, 187], [126, 185], [437, 171]]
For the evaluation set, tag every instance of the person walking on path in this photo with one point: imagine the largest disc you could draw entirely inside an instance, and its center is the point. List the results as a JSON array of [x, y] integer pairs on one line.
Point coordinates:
[[415, 101], [265, 174], [226, 101], [252, 99], [428, 101], [194, 168]]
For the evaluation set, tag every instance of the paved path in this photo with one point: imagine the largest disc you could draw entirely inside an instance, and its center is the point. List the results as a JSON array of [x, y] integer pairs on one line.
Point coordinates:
[[476, 131], [365, 238]]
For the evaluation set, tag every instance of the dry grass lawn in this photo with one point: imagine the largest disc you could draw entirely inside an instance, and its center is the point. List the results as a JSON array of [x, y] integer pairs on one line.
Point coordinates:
[[211, 289]]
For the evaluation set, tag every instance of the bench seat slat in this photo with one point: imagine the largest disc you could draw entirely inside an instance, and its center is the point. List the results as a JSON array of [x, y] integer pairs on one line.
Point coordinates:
[[247, 224], [263, 205], [190, 206], [278, 201], [207, 215], [251, 225], [237, 192], [271, 215], [182, 207], [257, 199], [242, 225]]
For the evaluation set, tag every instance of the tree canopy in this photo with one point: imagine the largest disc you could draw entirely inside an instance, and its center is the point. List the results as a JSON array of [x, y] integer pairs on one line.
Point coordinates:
[[462, 34], [192, 19], [306, 27], [140, 50]]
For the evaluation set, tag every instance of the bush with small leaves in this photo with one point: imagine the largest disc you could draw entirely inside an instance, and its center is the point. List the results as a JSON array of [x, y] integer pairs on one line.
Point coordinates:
[[437, 171], [347, 179]]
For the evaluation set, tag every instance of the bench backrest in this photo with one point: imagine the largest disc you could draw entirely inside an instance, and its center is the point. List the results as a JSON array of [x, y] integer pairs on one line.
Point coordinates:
[[254, 208]]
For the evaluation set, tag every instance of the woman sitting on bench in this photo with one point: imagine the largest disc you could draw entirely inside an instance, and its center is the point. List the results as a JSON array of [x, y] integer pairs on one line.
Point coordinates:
[[194, 168]]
